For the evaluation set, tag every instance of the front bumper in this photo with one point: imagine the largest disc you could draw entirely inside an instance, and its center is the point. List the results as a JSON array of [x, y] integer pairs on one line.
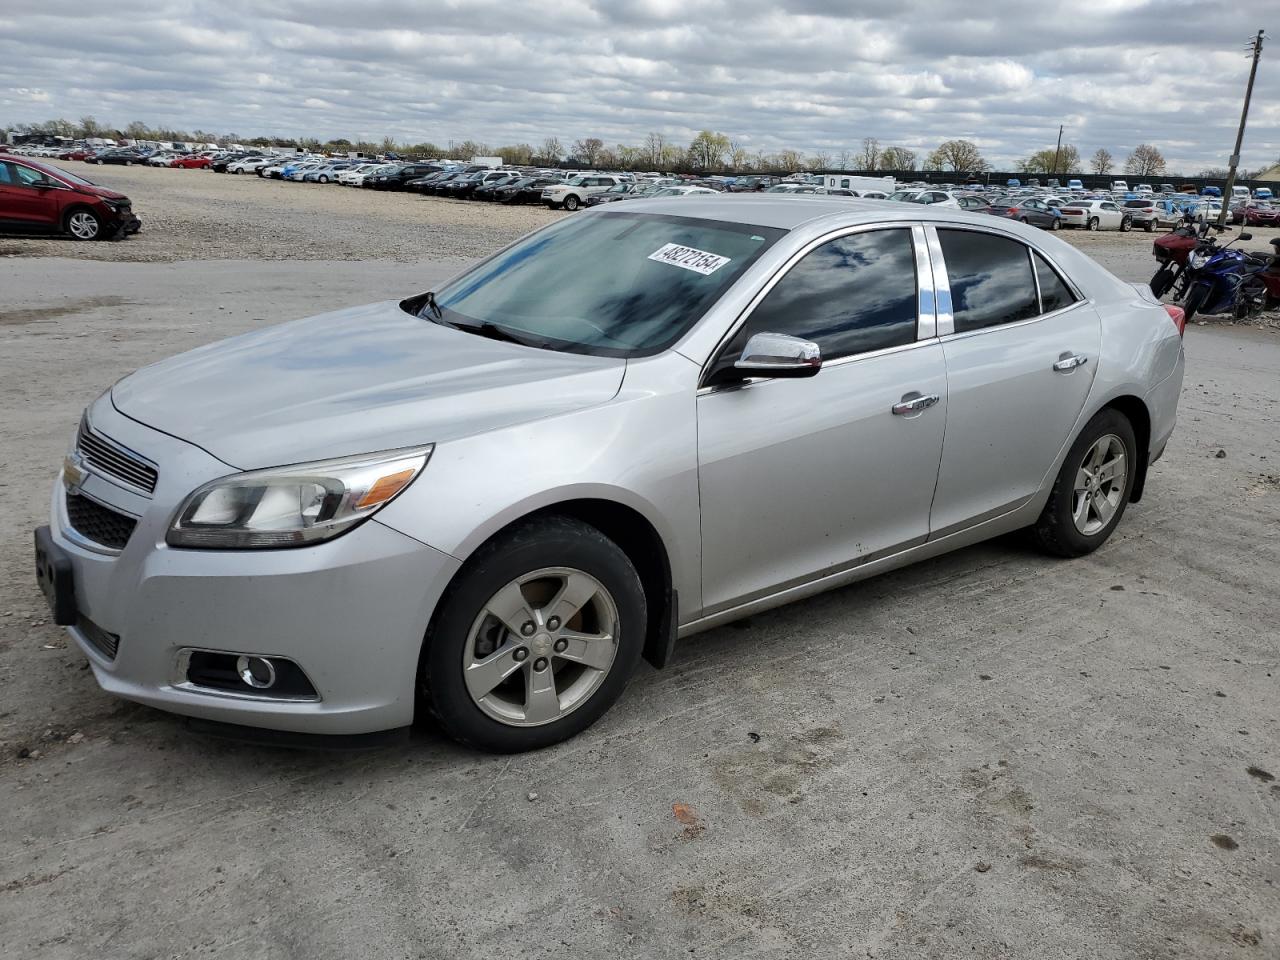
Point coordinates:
[[351, 612]]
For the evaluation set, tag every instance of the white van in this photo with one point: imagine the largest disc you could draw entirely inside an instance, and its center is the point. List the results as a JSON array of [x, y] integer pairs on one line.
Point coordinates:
[[1240, 193], [1119, 186], [844, 181]]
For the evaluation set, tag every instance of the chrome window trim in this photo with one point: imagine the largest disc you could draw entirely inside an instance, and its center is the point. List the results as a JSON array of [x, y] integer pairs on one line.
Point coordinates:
[[946, 329], [946, 323], [927, 305], [786, 266]]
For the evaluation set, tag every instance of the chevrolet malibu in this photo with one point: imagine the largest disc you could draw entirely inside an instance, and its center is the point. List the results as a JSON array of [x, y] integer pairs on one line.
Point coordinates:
[[489, 502]]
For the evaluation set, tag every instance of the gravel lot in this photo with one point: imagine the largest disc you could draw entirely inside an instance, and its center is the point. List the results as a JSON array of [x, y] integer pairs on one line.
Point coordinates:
[[989, 755], [199, 215]]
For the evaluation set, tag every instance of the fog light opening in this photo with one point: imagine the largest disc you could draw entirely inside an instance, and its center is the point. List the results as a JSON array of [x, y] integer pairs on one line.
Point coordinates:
[[257, 672]]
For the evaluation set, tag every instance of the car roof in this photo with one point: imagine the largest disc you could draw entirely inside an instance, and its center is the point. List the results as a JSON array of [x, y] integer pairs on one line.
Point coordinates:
[[787, 212]]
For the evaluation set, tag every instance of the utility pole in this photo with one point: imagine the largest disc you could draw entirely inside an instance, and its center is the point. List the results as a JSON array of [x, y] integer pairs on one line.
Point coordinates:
[[1256, 46], [1058, 152]]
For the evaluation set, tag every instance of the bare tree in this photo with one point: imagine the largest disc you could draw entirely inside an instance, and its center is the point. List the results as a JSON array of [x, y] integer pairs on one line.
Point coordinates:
[[842, 159], [869, 158], [588, 150], [653, 145], [958, 155], [1102, 162], [897, 158], [820, 160], [551, 150], [1145, 161]]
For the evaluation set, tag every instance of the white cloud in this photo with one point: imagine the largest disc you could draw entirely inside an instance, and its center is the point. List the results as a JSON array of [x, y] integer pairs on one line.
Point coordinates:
[[807, 74]]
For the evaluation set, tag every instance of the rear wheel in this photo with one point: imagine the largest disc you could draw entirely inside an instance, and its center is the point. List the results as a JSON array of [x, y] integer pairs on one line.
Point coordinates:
[[1093, 224], [1092, 489], [1149, 226], [1055, 223], [536, 638], [1126, 224]]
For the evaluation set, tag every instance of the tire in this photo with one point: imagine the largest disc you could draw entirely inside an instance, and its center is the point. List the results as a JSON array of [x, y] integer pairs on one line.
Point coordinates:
[[82, 224], [1059, 531], [1126, 224], [323, 179], [464, 630], [1162, 281], [1094, 224], [1195, 301], [128, 163], [1055, 223], [1022, 219], [1149, 226], [571, 203]]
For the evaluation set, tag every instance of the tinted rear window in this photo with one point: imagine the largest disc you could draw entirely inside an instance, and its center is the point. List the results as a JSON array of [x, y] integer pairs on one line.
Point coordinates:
[[990, 278]]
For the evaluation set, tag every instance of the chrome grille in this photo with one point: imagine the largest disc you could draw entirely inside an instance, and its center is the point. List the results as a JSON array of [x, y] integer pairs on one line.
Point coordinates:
[[106, 457]]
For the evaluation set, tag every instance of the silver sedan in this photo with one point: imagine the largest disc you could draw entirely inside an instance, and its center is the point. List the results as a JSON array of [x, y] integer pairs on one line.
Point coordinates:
[[489, 503]]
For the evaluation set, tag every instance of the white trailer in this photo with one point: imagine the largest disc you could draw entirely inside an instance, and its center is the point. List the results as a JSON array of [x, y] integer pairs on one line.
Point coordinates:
[[845, 181]]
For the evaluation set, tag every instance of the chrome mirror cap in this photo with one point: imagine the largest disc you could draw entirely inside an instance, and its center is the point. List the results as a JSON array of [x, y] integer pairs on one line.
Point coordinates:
[[779, 355]]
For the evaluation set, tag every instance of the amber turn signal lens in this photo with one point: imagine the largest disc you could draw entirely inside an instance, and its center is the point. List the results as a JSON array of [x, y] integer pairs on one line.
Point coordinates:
[[385, 488]]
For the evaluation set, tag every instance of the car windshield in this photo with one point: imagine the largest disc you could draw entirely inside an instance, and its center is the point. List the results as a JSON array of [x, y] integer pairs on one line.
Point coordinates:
[[612, 284]]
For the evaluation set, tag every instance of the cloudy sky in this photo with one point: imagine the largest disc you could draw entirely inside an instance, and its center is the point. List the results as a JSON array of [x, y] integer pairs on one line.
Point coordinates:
[[806, 74]]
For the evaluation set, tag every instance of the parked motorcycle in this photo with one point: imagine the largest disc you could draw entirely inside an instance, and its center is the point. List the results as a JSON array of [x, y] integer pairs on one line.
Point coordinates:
[[1225, 281], [1173, 250]]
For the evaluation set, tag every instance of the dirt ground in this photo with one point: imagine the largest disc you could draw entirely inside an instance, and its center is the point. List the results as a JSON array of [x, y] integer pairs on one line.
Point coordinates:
[[990, 755]]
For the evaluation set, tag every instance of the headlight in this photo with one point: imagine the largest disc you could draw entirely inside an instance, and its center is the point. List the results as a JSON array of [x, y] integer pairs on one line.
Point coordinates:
[[1197, 260], [293, 506]]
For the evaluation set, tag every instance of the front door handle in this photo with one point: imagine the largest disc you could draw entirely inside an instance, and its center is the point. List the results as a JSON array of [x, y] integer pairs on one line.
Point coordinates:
[[914, 403], [1069, 361]]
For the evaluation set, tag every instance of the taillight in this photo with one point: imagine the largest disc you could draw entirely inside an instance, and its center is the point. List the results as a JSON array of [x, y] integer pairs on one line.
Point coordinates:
[[1178, 316], [1011, 212]]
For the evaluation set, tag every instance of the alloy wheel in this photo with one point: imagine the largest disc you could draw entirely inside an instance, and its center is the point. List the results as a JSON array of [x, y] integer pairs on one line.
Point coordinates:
[[541, 646], [83, 226], [1100, 484]]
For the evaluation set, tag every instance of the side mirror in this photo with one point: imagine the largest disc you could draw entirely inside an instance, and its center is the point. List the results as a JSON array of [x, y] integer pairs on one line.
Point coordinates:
[[1245, 236], [779, 355]]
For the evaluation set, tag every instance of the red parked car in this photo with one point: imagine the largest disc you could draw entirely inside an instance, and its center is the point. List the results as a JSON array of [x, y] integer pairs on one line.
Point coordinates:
[[36, 197], [191, 162], [1256, 215], [79, 153]]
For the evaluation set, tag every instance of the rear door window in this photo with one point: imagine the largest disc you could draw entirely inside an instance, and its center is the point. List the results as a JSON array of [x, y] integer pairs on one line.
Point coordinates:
[[1054, 292], [990, 278]]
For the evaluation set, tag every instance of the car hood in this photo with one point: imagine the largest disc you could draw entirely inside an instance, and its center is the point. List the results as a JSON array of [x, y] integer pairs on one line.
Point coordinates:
[[356, 381]]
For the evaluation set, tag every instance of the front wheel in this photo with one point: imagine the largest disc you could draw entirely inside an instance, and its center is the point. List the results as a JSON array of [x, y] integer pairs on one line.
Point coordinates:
[[323, 179], [535, 639], [1197, 298], [1162, 281], [1092, 489], [571, 203], [84, 225]]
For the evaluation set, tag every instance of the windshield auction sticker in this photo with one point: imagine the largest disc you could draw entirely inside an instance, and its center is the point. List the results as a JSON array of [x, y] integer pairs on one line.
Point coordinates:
[[689, 258]]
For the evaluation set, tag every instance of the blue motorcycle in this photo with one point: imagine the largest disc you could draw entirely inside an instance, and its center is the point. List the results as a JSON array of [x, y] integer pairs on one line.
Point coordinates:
[[1225, 281]]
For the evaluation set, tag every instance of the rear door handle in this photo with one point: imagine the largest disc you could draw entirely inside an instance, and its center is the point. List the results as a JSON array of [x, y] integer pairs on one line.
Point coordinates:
[[1069, 361], [914, 403]]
